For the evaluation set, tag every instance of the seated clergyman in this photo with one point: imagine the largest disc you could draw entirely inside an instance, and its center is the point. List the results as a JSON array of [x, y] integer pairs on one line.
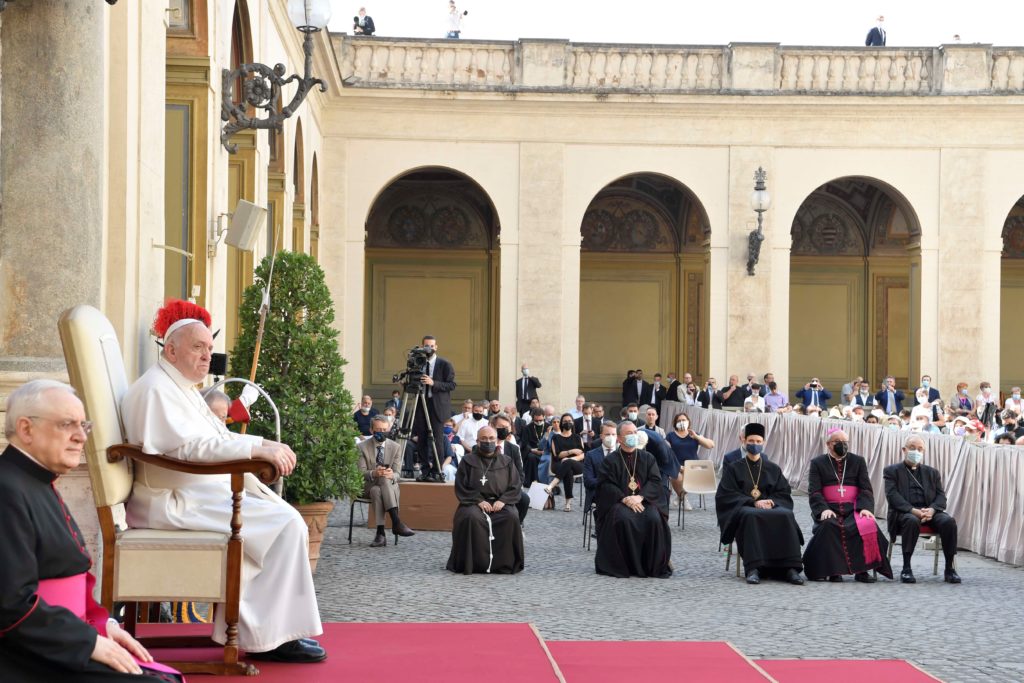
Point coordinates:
[[633, 538], [916, 501], [755, 508], [51, 628], [486, 535], [846, 537]]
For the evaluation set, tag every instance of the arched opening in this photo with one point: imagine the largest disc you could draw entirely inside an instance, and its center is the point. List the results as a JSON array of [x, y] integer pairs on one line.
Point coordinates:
[[432, 267], [241, 178], [299, 192], [645, 252], [854, 306], [1011, 361], [314, 212], [275, 185]]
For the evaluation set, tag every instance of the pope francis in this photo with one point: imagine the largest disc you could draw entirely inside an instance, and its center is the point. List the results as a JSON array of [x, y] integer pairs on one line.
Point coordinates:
[[165, 413]]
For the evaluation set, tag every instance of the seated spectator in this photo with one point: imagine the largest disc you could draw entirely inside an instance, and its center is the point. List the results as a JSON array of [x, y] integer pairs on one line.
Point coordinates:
[[468, 428], [813, 394], [958, 426], [577, 409], [916, 499], [364, 414], [533, 434], [587, 426], [631, 412], [633, 537], [1010, 425], [53, 629], [686, 393], [986, 405], [593, 458], [599, 413], [389, 414], [871, 419], [921, 421], [502, 426], [894, 422], [856, 413], [684, 444], [486, 535], [1005, 439], [466, 414], [814, 411], [451, 462], [651, 422], [395, 401], [962, 405], [493, 407], [754, 403], [1013, 401], [774, 399], [756, 510], [798, 408], [517, 422], [566, 459], [380, 461], [935, 413]]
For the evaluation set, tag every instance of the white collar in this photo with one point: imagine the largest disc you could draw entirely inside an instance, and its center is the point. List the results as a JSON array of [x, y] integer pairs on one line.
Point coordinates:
[[174, 374]]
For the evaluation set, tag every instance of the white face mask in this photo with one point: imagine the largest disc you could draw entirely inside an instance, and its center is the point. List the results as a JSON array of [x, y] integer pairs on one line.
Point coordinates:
[[609, 441], [682, 425], [526, 372], [915, 457], [632, 415]]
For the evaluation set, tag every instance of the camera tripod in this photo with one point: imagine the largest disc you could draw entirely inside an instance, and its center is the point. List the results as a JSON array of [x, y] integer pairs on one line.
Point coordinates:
[[414, 399]]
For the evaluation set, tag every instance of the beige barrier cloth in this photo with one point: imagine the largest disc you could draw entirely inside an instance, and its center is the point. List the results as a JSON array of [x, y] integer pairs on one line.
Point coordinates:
[[984, 484]]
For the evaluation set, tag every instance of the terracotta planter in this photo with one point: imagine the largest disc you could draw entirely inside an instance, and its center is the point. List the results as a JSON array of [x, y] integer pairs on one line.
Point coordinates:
[[315, 515]]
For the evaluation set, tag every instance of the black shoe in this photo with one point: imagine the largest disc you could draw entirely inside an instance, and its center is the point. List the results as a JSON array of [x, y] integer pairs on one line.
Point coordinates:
[[309, 641], [838, 578], [907, 576], [753, 577], [292, 652], [793, 576], [864, 577], [379, 541], [403, 531], [951, 576]]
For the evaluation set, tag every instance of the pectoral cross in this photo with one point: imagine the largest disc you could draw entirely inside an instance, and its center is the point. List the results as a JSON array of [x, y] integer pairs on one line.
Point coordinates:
[[842, 490], [483, 480]]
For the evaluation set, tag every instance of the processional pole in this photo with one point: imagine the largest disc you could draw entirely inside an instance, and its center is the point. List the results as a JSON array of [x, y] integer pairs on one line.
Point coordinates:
[[264, 309]]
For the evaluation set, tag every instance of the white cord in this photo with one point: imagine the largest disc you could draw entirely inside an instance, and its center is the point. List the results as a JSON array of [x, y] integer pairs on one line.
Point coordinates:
[[490, 541]]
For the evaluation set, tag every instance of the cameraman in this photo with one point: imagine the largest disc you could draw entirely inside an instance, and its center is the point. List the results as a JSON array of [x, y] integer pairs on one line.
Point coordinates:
[[438, 382], [813, 394]]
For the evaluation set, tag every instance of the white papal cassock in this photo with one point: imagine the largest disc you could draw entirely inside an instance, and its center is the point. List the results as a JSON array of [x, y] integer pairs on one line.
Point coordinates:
[[164, 413]]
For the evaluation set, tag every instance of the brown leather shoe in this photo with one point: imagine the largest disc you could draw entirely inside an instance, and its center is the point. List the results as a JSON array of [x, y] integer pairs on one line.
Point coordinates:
[[403, 531], [379, 541]]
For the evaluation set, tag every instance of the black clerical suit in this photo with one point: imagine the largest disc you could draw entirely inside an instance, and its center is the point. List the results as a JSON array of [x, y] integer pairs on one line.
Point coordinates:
[[920, 488], [631, 543], [579, 426], [530, 441], [439, 409], [526, 391], [766, 539], [40, 641]]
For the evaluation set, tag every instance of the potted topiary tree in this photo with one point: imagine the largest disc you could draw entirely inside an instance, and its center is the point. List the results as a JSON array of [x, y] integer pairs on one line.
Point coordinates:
[[300, 368]]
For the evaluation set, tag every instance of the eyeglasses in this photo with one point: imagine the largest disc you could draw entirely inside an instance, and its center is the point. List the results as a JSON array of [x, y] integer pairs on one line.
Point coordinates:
[[67, 426]]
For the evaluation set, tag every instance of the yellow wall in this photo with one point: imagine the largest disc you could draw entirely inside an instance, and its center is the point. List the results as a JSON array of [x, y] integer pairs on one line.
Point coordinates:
[[1011, 358]]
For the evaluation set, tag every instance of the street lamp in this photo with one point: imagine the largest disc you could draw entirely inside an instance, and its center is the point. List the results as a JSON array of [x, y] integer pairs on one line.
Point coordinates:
[[262, 85], [759, 202]]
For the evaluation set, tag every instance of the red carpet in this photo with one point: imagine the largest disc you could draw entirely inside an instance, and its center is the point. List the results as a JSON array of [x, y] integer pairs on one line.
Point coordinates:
[[844, 671], [385, 653], [617, 661]]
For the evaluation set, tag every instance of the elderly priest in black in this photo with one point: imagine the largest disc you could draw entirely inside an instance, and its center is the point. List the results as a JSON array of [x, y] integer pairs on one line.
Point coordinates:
[[846, 537], [486, 535], [51, 628], [633, 538], [755, 508], [917, 504]]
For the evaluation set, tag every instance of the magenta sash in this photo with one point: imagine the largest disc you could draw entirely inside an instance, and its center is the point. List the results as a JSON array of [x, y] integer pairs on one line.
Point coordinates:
[[71, 593], [866, 526]]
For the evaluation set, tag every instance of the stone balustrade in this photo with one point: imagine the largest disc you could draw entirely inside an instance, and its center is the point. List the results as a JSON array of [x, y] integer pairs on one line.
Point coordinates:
[[739, 68]]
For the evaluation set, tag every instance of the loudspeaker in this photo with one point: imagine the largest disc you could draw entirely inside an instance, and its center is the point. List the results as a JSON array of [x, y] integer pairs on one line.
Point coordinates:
[[218, 364], [246, 223]]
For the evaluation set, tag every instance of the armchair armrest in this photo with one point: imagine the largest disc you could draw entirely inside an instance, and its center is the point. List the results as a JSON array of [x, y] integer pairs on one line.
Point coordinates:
[[263, 469]]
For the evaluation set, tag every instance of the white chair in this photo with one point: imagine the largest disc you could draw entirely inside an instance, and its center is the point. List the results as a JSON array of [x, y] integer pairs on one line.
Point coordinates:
[[699, 478], [149, 565]]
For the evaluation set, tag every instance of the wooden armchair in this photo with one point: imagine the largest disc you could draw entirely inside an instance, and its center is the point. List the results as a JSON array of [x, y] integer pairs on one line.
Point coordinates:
[[149, 565]]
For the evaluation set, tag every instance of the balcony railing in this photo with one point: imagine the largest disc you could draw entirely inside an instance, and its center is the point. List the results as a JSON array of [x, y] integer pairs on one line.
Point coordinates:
[[739, 68]]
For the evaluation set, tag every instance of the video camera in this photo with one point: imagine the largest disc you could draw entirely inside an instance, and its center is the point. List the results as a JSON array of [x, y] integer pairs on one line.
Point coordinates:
[[417, 362]]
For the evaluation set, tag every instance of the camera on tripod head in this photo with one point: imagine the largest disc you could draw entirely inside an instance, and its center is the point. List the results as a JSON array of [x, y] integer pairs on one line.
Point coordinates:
[[417, 363]]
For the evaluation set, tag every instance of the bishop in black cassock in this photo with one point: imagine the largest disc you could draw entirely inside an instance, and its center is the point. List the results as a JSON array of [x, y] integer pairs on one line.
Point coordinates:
[[846, 537], [51, 628], [633, 537], [485, 540], [754, 504]]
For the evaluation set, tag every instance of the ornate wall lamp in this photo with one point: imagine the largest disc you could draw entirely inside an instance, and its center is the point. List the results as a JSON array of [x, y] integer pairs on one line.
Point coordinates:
[[261, 84], [760, 200], [4, 3]]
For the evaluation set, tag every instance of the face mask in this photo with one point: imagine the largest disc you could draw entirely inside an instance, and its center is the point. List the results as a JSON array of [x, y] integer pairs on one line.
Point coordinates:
[[682, 426], [754, 448], [632, 440], [390, 418], [986, 391], [609, 442], [893, 427], [448, 430], [487, 447], [963, 392], [478, 416], [925, 383], [1016, 397], [632, 415], [841, 448], [960, 431], [364, 411], [566, 426], [549, 419], [502, 433], [379, 437], [915, 457], [1010, 426], [526, 372], [863, 392], [430, 352]]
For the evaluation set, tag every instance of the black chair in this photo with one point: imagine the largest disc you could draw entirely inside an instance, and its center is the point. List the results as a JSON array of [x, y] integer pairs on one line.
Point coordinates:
[[351, 517], [588, 523]]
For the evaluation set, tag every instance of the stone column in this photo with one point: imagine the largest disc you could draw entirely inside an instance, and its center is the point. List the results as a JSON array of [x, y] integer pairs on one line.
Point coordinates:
[[52, 169], [549, 269]]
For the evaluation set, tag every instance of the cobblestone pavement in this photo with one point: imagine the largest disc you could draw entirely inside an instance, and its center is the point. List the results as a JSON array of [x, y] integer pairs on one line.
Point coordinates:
[[970, 632]]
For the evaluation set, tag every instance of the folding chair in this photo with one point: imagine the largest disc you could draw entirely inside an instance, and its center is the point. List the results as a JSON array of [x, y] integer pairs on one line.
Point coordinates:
[[351, 516], [588, 523], [699, 478], [728, 557], [927, 533]]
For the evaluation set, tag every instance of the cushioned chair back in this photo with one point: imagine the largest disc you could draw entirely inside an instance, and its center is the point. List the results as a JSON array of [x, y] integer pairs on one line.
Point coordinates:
[[96, 370]]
